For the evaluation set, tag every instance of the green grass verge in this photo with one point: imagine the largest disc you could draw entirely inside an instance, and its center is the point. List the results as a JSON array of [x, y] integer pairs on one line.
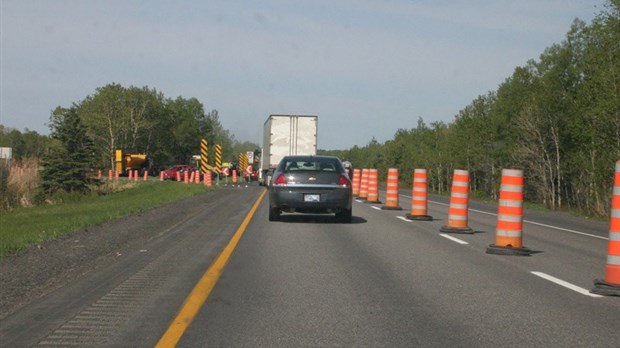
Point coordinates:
[[21, 228]]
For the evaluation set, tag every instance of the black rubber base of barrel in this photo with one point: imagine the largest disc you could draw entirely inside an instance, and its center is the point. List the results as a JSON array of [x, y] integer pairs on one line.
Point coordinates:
[[461, 230], [419, 217], [385, 207], [502, 250], [601, 287]]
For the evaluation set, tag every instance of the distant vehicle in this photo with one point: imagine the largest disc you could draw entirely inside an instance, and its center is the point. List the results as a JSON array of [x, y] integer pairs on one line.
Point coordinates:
[[286, 135], [310, 184], [171, 172], [125, 162]]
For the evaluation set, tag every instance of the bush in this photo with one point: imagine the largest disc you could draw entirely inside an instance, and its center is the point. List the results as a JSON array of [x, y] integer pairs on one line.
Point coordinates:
[[18, 183]]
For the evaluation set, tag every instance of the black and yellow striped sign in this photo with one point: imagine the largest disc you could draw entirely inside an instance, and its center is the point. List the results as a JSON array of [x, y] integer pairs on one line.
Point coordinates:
[[218, 158], [243, 162], [204, 156]]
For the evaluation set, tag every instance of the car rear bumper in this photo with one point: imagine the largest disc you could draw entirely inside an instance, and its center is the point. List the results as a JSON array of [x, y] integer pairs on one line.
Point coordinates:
[[291, 199]]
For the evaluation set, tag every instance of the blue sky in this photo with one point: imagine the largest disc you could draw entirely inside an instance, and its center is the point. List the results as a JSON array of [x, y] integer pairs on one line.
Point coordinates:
[[366, 68]]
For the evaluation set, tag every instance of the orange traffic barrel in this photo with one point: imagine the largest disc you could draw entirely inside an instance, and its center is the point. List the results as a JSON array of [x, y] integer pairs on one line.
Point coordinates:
[[391, 192], [185, 177], [459, 202], [356, 181], [610, 286], [419, 197], [509, 227], [364, 184], [178, 176], [208, 179], [146, 175], [197, 177], [234, 177], [161, 176], [110, 174], [373, 186]]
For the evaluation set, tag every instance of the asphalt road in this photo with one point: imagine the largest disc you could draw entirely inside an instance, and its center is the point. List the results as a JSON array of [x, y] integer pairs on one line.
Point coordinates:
[[308, 281]]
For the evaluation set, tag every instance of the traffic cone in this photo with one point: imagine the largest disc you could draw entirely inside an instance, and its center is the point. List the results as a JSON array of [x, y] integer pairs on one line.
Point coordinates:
[[419, 197], [459, 201], [356, 181], [509, 228], [364, 184], [373, 186], [208, 179], [391, 193], [610, 286]]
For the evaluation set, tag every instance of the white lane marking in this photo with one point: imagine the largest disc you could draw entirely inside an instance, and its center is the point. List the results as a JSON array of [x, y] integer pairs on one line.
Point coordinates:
[[565, 284], [359, 201], [376, 208], [453, 239], [535, 223], [566, 230], [403, 218], [527, 221]]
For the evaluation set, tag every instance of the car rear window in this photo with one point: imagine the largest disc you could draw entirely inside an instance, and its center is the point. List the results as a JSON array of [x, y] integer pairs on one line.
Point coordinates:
[[312, 165]]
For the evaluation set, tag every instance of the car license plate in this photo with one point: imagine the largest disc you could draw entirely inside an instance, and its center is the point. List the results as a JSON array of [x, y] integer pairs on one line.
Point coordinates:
[[312, 198]]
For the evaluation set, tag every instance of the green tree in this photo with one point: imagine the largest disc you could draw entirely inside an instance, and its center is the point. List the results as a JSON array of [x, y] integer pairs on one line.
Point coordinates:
[[67, 166]]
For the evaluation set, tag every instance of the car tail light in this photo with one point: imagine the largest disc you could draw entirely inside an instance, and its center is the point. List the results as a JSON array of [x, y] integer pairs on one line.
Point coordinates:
[[344, 181], [280, 180]]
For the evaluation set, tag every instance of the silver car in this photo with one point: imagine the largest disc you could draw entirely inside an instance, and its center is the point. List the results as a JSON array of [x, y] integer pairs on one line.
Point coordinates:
[[310, 184]]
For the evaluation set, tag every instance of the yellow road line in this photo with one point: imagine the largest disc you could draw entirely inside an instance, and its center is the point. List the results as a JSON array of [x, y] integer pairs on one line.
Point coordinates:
[[205, 285]]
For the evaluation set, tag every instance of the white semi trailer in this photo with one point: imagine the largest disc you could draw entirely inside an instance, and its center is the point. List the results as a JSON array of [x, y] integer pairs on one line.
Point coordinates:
[[286, 135]]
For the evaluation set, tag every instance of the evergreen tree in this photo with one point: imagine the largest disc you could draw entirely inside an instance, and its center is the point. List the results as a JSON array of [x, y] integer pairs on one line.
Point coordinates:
[[67, 165]]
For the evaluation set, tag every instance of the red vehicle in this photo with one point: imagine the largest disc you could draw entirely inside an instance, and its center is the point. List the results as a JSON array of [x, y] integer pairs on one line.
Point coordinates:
[[171, 173]]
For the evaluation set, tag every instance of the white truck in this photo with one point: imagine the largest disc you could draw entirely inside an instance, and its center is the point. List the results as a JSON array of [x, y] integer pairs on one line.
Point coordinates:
[[286, 135]]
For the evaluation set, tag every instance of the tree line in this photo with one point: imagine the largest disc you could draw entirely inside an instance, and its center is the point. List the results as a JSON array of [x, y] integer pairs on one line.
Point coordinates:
[[85, 135], [136, 120], [557, 118]]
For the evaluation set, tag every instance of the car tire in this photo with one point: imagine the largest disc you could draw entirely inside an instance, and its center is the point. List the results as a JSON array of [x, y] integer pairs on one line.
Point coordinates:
[[345, 215], [274, 214]]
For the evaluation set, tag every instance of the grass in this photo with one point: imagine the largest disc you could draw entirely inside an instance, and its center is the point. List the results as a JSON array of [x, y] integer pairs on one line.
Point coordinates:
[[24, 227]]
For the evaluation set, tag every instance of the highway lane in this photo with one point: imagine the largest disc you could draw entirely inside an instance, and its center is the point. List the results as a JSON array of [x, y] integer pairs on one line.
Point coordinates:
[[130, 300], [382, 281], [308, 281]]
